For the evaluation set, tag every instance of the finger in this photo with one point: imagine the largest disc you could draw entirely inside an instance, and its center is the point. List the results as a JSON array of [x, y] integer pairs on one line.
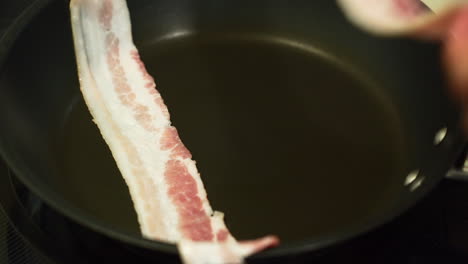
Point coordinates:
[[455, 56]]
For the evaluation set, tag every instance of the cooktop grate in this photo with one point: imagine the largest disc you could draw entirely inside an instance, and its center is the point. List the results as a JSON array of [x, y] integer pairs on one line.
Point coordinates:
[[14, 249]]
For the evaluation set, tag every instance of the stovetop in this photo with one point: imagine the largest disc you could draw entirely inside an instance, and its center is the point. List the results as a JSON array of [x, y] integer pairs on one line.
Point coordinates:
[[15, 248]]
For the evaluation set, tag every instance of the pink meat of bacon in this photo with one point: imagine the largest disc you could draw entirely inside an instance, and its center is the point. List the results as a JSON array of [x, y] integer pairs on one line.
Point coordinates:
[[165, 186]]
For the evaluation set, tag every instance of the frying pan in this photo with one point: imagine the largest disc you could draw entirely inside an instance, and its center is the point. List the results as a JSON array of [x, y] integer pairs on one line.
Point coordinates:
[[301, 124]]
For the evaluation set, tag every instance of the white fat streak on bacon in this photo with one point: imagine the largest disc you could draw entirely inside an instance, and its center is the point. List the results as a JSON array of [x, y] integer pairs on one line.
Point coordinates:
[[163, 180], [396, 17]]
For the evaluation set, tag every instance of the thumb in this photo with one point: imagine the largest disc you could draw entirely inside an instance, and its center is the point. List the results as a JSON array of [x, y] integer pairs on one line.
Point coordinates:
[[455, 59], [455, 56]]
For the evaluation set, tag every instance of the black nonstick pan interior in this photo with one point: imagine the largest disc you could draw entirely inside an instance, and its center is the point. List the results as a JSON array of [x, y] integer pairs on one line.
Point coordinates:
[[300, 124]]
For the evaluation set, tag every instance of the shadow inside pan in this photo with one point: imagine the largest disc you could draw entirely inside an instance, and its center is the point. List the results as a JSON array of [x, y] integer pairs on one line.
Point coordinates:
[[287, 139]]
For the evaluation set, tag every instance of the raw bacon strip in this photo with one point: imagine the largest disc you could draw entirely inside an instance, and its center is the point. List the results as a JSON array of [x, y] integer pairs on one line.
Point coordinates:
[[165, 186]]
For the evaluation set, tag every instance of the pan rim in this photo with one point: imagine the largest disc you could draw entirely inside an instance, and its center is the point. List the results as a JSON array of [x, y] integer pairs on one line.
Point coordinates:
[[73, 213]]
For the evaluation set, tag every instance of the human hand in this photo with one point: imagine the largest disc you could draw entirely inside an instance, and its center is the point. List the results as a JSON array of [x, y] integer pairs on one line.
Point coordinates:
[[447, 23]]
